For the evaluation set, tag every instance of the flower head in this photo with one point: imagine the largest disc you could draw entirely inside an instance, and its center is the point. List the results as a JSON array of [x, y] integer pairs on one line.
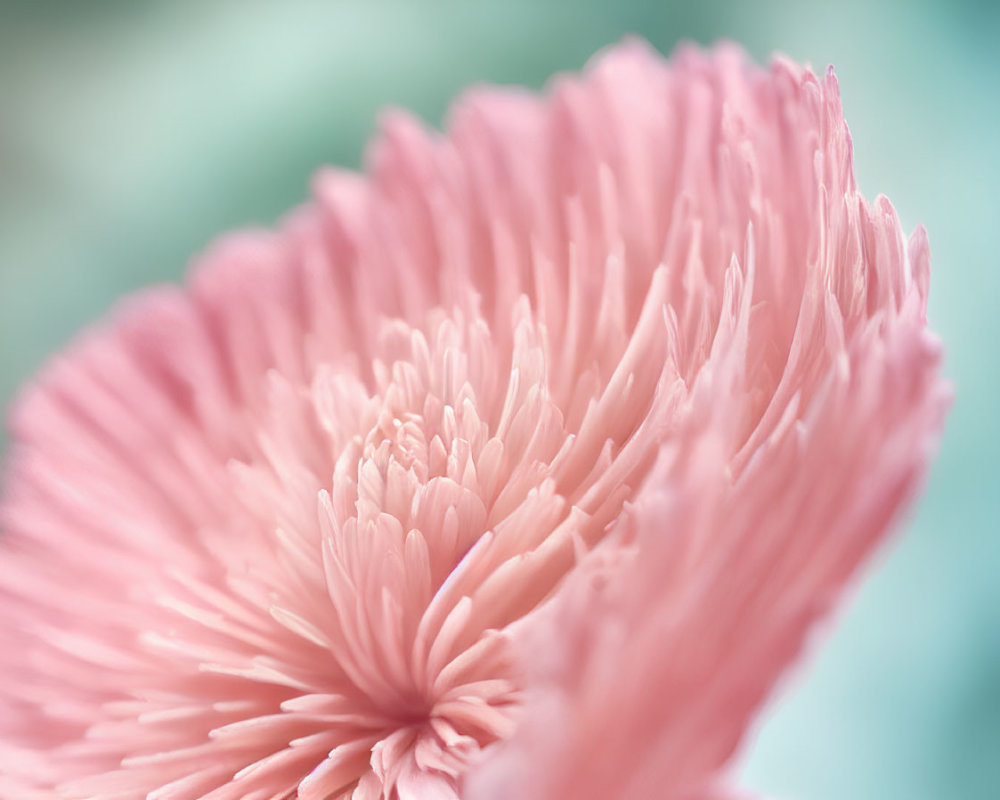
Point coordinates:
[[517, 467]]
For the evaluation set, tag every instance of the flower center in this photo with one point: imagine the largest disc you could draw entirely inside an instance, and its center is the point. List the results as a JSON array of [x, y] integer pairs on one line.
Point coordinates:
[[456, 496]]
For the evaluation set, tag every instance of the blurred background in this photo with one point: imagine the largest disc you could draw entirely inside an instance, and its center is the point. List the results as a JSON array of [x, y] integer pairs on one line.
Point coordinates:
[[131, 133]]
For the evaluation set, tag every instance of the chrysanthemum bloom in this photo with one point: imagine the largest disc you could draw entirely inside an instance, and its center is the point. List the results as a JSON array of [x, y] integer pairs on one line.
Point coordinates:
[[518, 467]]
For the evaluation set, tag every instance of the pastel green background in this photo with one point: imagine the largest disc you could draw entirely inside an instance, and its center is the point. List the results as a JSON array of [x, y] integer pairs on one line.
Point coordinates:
[[133, 132]]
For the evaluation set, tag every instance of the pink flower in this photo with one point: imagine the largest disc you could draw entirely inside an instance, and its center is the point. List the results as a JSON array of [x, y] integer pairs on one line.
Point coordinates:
[[517, 468]]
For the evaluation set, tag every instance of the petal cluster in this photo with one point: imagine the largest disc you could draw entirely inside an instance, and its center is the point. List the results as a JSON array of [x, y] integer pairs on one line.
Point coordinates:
[[519, 466]]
